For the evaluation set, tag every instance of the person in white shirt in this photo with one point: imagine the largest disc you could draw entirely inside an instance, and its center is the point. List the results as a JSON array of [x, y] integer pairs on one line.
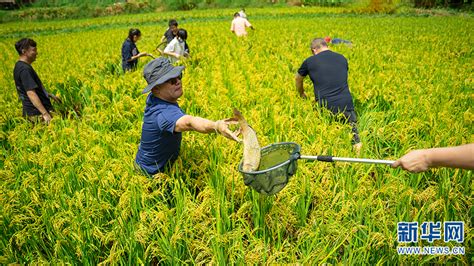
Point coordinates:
[[175, 50], [239, 24]]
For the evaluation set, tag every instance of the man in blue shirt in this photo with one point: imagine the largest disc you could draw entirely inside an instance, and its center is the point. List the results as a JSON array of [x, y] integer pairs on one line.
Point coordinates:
[[328, 72], [164, 121]]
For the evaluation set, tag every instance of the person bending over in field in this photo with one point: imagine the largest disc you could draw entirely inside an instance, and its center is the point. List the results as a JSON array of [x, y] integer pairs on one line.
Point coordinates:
[[239, 24], [328, 72], [175, 50], [30, 89], [130, 53], [421, 160], [328, 40], [164, 121]]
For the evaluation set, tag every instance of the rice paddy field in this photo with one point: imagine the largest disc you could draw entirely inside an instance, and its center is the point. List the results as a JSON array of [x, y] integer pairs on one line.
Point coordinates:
[[69, 192]]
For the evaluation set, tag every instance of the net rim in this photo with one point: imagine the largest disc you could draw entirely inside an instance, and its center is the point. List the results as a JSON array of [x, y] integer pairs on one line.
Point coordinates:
[[298, 149]]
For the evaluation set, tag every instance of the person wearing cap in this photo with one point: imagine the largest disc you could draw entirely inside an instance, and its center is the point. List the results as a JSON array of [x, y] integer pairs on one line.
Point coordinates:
[[130, 53], [239, 24], [328, 72], [176, 49], [30, 89], [164, 121]]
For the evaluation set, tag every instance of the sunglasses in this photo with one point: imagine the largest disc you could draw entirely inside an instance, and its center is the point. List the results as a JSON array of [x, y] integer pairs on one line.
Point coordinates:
[[173, 81]]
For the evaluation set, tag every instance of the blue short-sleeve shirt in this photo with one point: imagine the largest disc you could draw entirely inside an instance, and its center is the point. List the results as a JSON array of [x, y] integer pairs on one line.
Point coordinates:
[[159, 144], [129, 49]]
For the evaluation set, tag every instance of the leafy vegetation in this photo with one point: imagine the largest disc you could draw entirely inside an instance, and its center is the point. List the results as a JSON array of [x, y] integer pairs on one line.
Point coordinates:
[[66, 9]]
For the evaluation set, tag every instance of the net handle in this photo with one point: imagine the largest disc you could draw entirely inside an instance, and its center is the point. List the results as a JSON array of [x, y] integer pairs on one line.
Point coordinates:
[[325, 158]]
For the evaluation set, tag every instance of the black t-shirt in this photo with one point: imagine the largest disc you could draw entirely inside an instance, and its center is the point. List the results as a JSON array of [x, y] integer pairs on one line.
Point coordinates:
[[328, 71], [129, 49], [26, 79], [170, 36]]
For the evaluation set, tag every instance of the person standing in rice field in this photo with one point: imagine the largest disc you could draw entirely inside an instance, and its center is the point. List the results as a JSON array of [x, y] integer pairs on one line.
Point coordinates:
[[171, 33], [130, 53], [176, 49], [239, 24], [164, 121], [34, 97], [328, 72]]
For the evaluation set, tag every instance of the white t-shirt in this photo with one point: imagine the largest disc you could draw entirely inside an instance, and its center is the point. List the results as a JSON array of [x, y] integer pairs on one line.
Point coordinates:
[[238, 26], [175, 46]]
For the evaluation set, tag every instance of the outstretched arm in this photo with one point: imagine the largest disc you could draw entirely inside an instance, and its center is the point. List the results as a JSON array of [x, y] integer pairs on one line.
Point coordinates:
[[420, 160], [202, 125], [138, 56]]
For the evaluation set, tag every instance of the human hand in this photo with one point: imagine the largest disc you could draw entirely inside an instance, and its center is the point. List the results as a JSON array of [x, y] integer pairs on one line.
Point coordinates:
[[222, 127], [415, 161], [47, 117]]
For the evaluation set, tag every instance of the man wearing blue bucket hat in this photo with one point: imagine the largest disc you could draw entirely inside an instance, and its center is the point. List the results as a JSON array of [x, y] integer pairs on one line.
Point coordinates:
[[164, 121]]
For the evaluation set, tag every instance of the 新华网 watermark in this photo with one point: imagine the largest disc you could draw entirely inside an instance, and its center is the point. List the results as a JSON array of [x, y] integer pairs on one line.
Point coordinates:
[[449, 231]]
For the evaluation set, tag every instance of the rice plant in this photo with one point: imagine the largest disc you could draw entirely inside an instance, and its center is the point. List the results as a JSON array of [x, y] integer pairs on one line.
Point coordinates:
[[69, 192]]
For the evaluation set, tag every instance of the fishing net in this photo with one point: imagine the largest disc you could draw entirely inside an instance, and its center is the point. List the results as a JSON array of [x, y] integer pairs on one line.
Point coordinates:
[[277, 164]]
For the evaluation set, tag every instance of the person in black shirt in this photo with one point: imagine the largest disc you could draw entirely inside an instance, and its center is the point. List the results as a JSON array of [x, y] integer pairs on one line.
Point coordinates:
[[33, 95], [130, 53], [328, 72], [170, 34]]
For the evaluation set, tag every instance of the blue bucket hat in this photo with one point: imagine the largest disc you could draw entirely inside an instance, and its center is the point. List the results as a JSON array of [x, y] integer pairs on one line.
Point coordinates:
[[158, 71]]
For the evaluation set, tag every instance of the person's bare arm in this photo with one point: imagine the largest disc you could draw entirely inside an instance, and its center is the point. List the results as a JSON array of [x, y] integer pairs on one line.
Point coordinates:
[[138, 56], [37, 103], [173, 54], [421, 160], [202, 125], [299, 85]]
